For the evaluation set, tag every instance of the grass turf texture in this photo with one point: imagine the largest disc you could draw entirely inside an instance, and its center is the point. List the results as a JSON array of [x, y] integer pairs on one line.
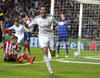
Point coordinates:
[[61, 70]]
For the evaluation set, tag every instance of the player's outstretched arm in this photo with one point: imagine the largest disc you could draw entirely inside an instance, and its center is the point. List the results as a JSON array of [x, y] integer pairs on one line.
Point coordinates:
[[26, 25], [9, 29], [63, 23], [67, 22]]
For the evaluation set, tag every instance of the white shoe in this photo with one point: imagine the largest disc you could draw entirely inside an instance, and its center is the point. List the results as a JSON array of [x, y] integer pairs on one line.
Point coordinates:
[[50, 71]]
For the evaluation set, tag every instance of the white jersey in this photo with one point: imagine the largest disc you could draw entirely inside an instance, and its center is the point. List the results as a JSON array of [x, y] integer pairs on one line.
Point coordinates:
[[19, 31], [44, 24]]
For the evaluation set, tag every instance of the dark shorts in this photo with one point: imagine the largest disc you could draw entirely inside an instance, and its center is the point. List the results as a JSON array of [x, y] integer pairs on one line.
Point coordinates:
[[60, 38], [25, 36], [2, 18], [0, 35], [10, 59]]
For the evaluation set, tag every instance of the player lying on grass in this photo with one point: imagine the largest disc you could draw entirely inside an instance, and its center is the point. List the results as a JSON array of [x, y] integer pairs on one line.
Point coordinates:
[[9, 48]]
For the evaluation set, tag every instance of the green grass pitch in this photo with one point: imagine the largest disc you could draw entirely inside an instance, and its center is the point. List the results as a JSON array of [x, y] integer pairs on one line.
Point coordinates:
[[39, 70]]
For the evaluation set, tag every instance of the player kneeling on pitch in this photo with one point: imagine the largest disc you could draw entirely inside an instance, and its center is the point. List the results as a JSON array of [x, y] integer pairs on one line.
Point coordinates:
[[9, 55]]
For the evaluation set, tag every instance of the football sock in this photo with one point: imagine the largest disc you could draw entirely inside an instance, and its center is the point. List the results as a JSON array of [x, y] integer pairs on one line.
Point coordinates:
[[67, 50], [28, 47], [58, 49], [25, 45], [26, 57], [47, 61]]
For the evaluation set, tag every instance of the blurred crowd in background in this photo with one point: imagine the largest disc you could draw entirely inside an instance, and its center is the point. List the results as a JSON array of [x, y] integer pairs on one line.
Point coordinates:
[[18, 9]]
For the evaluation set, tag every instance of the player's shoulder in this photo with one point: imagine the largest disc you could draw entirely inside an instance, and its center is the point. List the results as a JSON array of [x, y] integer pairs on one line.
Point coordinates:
[[13, 25], [21, 25], [63, 20], [37, 17], [7, 42]]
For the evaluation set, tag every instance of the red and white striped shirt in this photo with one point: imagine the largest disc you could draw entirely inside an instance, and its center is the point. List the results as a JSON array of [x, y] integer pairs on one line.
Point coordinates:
[[8, 47]]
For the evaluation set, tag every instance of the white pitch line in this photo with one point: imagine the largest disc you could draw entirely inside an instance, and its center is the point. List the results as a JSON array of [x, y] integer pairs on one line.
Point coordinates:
[[58, 60], [27, 63], [92, 58], [77, 62], [23, 64]]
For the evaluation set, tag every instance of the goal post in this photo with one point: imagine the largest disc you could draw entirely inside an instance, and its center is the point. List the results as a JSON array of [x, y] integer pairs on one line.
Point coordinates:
[[80, 28], [88, 1], [85, 15], [52, 7], [82, 2], [52, 13]]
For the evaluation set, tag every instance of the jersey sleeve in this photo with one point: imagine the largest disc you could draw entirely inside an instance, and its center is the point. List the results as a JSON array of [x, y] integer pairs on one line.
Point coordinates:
[[56, 23], [34, 22], [3, 45], [23, 28], [12, 27], [54, 20]]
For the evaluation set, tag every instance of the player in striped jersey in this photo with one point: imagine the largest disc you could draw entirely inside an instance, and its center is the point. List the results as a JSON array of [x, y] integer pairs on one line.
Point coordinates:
[[9, 48]]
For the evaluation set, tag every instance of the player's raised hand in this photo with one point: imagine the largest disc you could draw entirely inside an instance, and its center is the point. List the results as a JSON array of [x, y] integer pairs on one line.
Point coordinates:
[[24, 20]]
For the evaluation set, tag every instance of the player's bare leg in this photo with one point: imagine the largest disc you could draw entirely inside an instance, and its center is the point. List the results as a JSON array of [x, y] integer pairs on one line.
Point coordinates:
[[2, 28], [30, 59], [46, 59]]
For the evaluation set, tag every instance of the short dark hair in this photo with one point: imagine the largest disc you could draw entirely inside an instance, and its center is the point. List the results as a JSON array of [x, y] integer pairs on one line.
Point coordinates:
[[14, 37], [43, 6], [16, 20]]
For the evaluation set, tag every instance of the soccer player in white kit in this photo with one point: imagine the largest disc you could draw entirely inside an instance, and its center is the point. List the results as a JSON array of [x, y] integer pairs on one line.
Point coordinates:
[[19, 31], [46, 36]]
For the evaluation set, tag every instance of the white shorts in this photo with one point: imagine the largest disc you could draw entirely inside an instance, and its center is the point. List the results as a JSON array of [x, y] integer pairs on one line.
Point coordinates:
[[46, 41], [20, 38]]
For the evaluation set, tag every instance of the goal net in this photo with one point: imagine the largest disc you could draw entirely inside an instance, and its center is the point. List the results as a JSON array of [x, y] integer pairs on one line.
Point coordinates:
[[84, 35]]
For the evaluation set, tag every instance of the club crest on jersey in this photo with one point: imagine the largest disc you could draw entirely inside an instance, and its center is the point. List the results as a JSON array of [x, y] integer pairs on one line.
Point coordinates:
[[48, 22]]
